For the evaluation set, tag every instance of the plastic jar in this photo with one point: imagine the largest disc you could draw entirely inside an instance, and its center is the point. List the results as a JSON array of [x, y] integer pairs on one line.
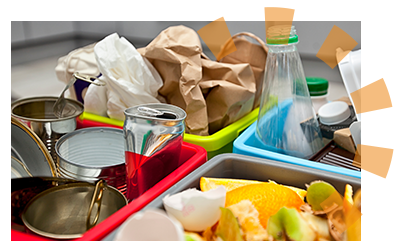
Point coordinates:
[[318, 88]]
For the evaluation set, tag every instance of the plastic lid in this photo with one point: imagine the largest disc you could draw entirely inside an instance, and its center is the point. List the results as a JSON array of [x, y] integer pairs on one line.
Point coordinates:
[[317, 86], [334, 113]]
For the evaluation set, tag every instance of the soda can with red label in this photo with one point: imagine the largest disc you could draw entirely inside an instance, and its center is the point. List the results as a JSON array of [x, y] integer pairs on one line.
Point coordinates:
[[153, 136]]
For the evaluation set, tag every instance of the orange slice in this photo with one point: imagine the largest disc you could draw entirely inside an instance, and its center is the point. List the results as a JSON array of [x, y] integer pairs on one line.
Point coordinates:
[[267, 198], [207, 184]]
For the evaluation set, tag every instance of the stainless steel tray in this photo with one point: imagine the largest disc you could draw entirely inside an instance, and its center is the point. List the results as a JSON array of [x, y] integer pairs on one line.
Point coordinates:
[[252, 168]]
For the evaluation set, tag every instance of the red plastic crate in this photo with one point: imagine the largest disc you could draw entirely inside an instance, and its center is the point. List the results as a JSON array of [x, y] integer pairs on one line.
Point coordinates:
[[88, 124], [192, 157]]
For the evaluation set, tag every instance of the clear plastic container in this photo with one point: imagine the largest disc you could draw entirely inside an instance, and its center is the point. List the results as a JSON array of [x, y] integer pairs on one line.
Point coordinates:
[[287, 122]]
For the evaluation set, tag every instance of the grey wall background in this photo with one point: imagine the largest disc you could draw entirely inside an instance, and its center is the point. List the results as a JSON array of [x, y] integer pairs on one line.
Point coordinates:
[[34, 40]]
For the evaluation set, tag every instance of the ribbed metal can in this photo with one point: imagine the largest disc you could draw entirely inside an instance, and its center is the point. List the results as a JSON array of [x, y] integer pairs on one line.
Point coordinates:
[[37, 113], [91, 154], [153, 136]]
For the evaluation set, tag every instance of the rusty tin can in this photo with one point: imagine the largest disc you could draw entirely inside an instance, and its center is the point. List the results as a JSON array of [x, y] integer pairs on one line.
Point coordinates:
[[153, 140]]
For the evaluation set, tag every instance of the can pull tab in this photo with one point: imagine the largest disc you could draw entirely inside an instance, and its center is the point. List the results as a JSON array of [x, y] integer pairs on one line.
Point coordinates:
[[96, 199], [150, 111]]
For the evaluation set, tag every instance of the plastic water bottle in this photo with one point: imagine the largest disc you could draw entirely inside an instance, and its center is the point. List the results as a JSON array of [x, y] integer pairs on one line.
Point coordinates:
[[287, 122]]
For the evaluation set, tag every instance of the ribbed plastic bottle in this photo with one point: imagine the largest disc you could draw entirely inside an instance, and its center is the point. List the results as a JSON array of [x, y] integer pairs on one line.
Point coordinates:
[[287, 122]]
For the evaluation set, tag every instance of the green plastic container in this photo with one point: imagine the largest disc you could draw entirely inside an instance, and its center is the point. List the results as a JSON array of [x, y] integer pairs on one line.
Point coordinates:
[[215, 144]]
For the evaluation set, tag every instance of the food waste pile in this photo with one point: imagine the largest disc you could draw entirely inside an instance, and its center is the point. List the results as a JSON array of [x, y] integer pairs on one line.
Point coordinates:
[[237, 210]]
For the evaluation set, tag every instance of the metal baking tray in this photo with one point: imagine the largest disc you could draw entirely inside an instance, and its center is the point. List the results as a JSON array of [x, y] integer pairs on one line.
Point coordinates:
[[251, 168]]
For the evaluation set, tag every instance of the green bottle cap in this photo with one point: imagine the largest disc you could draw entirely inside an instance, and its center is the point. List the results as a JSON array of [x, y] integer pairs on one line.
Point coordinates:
[[317, 86], [282, 34], [283, 40]]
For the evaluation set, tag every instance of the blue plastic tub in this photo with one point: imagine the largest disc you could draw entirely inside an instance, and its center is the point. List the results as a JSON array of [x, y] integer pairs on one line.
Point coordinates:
[[248, 144]]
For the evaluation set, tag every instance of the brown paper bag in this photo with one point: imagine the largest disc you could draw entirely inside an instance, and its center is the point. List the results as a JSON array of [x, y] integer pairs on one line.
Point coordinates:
[[211, 93], [248, 52], [176, 54], [229, 92]]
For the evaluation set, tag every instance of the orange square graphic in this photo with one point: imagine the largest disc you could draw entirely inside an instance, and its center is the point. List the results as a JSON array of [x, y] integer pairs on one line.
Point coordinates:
[[278, 14], [215, 35], [375, 96], [336, 38], [334, 202], [275, 16], [375, 160]]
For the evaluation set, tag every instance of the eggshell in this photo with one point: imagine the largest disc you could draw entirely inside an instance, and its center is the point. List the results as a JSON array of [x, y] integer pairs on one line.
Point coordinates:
[[196, 210], [150, 225]]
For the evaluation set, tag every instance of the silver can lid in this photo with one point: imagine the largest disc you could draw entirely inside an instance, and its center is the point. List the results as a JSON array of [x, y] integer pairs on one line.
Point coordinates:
[[156, 111]]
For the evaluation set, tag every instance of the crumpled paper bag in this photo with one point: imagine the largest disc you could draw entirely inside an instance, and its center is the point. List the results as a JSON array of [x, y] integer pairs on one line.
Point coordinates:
[[176, 54], [248, 52], [228, 90], [212, 94], [130, 78]]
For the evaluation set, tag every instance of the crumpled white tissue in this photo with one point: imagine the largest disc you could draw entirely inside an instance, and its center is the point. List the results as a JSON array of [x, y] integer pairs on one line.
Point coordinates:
[[80, 60], [130, 78]]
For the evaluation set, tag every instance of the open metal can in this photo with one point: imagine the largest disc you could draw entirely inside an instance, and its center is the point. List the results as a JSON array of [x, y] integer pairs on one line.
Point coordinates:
[[37, 113], [67, 211], [90, 154], [153, 140]]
